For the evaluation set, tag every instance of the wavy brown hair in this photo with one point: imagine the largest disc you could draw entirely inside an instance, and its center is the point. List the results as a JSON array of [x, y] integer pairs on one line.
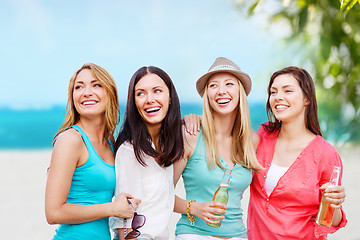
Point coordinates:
[[307, 86], [112, 111]]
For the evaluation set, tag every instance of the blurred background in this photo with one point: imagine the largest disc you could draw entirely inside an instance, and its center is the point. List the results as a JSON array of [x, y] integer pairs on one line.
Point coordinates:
[[44, 42]]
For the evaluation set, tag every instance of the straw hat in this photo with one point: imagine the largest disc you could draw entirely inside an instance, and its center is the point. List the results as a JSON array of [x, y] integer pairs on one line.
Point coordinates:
[[222, 64]]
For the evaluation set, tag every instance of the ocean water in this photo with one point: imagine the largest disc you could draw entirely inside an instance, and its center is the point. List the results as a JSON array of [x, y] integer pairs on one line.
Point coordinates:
[[35, 128]]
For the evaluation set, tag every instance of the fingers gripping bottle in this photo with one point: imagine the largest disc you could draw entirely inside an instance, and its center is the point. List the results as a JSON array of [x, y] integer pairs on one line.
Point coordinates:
[[222, 194], [326, 212]]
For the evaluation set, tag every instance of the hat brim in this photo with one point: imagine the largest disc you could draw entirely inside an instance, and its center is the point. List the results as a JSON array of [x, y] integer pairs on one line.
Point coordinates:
[[243, 77]]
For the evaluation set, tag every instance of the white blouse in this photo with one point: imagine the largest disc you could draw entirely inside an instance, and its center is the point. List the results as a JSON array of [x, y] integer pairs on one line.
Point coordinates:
[[152, 184], [273, 176]]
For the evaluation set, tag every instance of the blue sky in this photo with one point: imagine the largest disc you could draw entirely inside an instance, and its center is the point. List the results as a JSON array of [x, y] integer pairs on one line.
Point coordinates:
[[44, 42]]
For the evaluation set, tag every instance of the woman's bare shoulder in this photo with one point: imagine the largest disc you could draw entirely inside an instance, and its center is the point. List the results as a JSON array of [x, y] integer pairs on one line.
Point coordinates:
[[69, 142]]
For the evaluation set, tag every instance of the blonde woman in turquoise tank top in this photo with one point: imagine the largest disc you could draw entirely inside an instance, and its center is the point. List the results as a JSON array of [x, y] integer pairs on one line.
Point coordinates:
[[81, 177], [225, 142]]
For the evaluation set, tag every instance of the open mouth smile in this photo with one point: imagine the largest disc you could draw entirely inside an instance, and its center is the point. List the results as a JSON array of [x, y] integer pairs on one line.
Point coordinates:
[[223, 101], [152, 109], [281, 106], [89, 102]]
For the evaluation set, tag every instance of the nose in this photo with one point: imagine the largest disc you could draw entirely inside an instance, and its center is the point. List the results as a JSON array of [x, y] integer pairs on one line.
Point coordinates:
[[222, 90], [88, 91], [150, 98], [279, 95]]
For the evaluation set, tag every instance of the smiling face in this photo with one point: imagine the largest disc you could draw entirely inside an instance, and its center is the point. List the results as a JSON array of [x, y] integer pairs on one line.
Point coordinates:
[[223, 91], [89, 95], [152, 99], [286, 99]]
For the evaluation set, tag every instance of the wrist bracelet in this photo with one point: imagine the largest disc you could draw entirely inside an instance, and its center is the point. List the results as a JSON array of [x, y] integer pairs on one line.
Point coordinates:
[[191, 217]]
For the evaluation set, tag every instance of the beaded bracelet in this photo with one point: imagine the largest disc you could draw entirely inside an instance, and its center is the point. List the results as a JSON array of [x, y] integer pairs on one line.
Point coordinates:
[[191, 217]]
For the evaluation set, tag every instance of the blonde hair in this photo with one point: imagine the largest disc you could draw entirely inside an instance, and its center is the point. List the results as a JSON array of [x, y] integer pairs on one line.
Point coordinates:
[[112, 111], [242, 149]]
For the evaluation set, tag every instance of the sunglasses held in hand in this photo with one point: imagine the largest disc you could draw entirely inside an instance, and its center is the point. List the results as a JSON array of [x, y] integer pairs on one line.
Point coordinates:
[[137, 222]]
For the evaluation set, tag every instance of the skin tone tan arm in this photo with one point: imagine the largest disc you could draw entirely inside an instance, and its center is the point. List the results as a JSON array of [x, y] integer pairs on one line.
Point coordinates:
[[68, 150], [201, 210]]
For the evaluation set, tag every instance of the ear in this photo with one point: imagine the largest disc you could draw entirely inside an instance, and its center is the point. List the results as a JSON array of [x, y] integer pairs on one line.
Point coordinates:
[[306, 102], [170, 101]]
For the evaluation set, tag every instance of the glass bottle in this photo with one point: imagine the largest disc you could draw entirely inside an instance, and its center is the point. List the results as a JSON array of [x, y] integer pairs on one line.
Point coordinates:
[[326, 212], [222, 194]]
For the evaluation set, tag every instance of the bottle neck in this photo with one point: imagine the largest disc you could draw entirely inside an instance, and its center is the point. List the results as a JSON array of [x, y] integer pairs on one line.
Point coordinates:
[[335, 176], [226, 178]]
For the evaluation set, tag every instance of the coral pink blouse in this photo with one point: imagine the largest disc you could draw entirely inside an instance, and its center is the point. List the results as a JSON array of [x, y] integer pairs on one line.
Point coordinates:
[[289, 211]]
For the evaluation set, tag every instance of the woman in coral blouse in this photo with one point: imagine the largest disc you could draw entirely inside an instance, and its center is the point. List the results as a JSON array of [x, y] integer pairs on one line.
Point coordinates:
[[297, 161]]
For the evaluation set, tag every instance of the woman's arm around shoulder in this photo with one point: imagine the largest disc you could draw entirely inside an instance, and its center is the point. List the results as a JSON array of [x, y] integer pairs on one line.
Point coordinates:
[[192, 123]]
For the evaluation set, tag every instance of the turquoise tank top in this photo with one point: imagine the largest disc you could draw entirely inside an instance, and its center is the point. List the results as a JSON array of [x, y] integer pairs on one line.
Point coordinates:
[[201, 183], [92, 183]]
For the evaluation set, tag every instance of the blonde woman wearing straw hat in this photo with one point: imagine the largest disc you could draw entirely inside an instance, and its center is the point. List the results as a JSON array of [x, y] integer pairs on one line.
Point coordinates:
[[224, 142]]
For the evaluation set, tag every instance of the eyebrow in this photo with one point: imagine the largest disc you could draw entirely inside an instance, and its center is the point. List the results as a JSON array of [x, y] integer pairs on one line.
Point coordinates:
[[142, 89], [284, 86], [92, 81], [225, 80]]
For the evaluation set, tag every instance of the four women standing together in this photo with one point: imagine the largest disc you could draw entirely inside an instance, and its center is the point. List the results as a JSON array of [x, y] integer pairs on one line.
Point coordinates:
[[286, 186]]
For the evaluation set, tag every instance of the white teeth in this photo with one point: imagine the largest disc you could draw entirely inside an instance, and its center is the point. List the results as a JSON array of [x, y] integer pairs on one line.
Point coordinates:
[[89, 102], [153, 109], [222, 101], [281, 107]]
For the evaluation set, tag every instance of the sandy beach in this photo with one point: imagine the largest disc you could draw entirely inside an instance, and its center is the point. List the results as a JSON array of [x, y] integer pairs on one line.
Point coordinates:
[[23, 178]]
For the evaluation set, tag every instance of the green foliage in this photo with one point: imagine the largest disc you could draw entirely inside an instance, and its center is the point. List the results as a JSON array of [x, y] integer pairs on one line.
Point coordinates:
[[330, 30], [346, 5], [252, 7]]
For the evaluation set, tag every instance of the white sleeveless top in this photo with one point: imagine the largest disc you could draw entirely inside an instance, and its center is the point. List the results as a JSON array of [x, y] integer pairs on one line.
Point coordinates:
[[274, 174]]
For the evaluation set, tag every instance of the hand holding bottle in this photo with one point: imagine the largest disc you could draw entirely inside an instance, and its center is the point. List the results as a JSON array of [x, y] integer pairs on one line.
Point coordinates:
[[221, 195], [333, 197], [205, 211], [334, 194]]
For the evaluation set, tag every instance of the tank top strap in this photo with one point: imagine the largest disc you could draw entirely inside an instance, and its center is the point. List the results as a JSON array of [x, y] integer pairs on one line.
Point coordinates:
[[200, 147], [112, 147], [86, 139], [200, 140], [93, 155]]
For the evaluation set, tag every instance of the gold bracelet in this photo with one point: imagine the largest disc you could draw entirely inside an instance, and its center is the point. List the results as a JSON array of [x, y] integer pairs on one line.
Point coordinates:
[[191, 217]]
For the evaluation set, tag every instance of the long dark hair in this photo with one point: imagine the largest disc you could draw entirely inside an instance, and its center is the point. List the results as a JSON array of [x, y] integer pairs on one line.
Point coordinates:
[[135, 131], [308, 88]]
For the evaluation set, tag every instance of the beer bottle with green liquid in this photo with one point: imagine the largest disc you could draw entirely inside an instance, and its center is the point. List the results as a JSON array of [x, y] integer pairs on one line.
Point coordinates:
[[222, 194]]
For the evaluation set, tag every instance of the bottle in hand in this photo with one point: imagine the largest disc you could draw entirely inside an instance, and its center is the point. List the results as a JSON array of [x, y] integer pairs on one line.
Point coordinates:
[[326, 212], [222, 194]]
